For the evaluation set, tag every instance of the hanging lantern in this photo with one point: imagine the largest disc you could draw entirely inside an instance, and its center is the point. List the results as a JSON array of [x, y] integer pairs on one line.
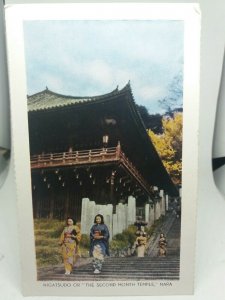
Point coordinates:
[[105, 140], [56, 171], [49, 185], [77, 176], [90, 175], [93, 181], [45, 179], [120, 180], [80, 182], [63, 184], [60, 177]]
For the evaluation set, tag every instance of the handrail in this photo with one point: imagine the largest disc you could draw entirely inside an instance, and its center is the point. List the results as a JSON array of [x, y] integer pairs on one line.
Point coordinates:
[[134, 171], [66, 156], [100, 155], [73, 153]]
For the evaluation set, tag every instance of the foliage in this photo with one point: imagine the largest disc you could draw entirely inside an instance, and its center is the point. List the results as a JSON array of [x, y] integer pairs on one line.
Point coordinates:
[[153, 122], [49, 254], [169, 145], [157, 223], [173, 102], [124, 239], [48, 224], [85, 241]]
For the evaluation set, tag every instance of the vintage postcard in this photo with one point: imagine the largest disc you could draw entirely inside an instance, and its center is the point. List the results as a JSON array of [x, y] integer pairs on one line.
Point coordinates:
[[104, 104]]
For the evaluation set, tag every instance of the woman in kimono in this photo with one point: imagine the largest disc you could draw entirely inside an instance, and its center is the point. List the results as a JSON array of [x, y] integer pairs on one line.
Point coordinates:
[[162, 245], [141, 242], [69, 241], [99, 246]]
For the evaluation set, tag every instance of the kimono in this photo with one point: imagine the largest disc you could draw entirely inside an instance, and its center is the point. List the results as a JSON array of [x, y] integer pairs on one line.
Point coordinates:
[[70, 247], [99, 248], [162, 246], [141, 242]]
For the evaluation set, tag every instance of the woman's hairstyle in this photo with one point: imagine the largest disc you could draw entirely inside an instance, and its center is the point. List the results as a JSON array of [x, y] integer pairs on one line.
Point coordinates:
[[102, 218], [74, 222]]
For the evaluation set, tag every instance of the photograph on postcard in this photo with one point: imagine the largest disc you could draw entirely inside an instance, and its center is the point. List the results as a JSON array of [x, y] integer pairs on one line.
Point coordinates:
[[105, 130], [107, 104]]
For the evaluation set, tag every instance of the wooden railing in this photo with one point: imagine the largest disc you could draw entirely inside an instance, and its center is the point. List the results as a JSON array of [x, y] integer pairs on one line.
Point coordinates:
[[93, 156], [74, 158], [133, 170]]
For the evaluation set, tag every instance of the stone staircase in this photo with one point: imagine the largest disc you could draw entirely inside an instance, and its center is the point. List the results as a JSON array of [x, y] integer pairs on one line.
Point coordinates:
[[121, 268], [171, 229], [150, 267], [173, 238]]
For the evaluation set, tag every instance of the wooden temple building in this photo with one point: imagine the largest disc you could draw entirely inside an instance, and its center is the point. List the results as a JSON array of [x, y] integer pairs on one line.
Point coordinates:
[[94, 147]]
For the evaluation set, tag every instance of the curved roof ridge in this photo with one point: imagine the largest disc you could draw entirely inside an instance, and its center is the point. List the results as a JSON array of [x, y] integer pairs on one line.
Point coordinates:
[[48, 91], [38, 93], [48, 99], [126, 87]]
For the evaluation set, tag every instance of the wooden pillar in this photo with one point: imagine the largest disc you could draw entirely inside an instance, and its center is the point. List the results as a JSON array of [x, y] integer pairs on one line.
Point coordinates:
[[34, 202], [66, 212], [51, 213], [118, 150], [112, 197], [167, 202]]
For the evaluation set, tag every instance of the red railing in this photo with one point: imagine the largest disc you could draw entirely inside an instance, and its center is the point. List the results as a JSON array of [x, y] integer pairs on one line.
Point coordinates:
[[102, 155], [74, 158], [132, 169]]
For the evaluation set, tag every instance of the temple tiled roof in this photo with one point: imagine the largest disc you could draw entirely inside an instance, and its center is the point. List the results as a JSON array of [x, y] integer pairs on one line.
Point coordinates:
[[145, 155], [47, 99]]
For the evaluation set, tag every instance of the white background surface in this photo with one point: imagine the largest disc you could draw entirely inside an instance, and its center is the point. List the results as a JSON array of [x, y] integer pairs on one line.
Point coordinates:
[[210, 239]]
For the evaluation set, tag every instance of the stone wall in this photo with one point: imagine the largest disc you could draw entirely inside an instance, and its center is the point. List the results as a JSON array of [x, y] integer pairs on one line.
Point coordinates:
[[125, 215], [155, 210]]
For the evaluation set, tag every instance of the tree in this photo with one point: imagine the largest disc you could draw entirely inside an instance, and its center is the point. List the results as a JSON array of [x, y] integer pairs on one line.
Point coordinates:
[[173, 102], [153, 122], [169, 145]]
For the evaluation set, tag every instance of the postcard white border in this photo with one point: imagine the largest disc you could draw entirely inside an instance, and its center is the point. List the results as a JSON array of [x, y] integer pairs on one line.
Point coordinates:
[[190, 14]]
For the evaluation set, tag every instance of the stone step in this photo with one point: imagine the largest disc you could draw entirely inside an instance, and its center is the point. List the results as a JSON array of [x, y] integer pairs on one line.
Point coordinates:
[[119, 273], [114, 270], [142, 259], [135, 267], [142, 264], [90, 277], [105, 271], [137, 274]]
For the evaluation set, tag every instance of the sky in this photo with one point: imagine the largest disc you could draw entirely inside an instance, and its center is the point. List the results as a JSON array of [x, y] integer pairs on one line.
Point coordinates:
[[89, 58]]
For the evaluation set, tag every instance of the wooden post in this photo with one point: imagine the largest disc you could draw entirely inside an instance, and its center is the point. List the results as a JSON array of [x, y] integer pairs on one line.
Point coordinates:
[[118, 150], [66, 193], [51, 213], [112, 197]]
